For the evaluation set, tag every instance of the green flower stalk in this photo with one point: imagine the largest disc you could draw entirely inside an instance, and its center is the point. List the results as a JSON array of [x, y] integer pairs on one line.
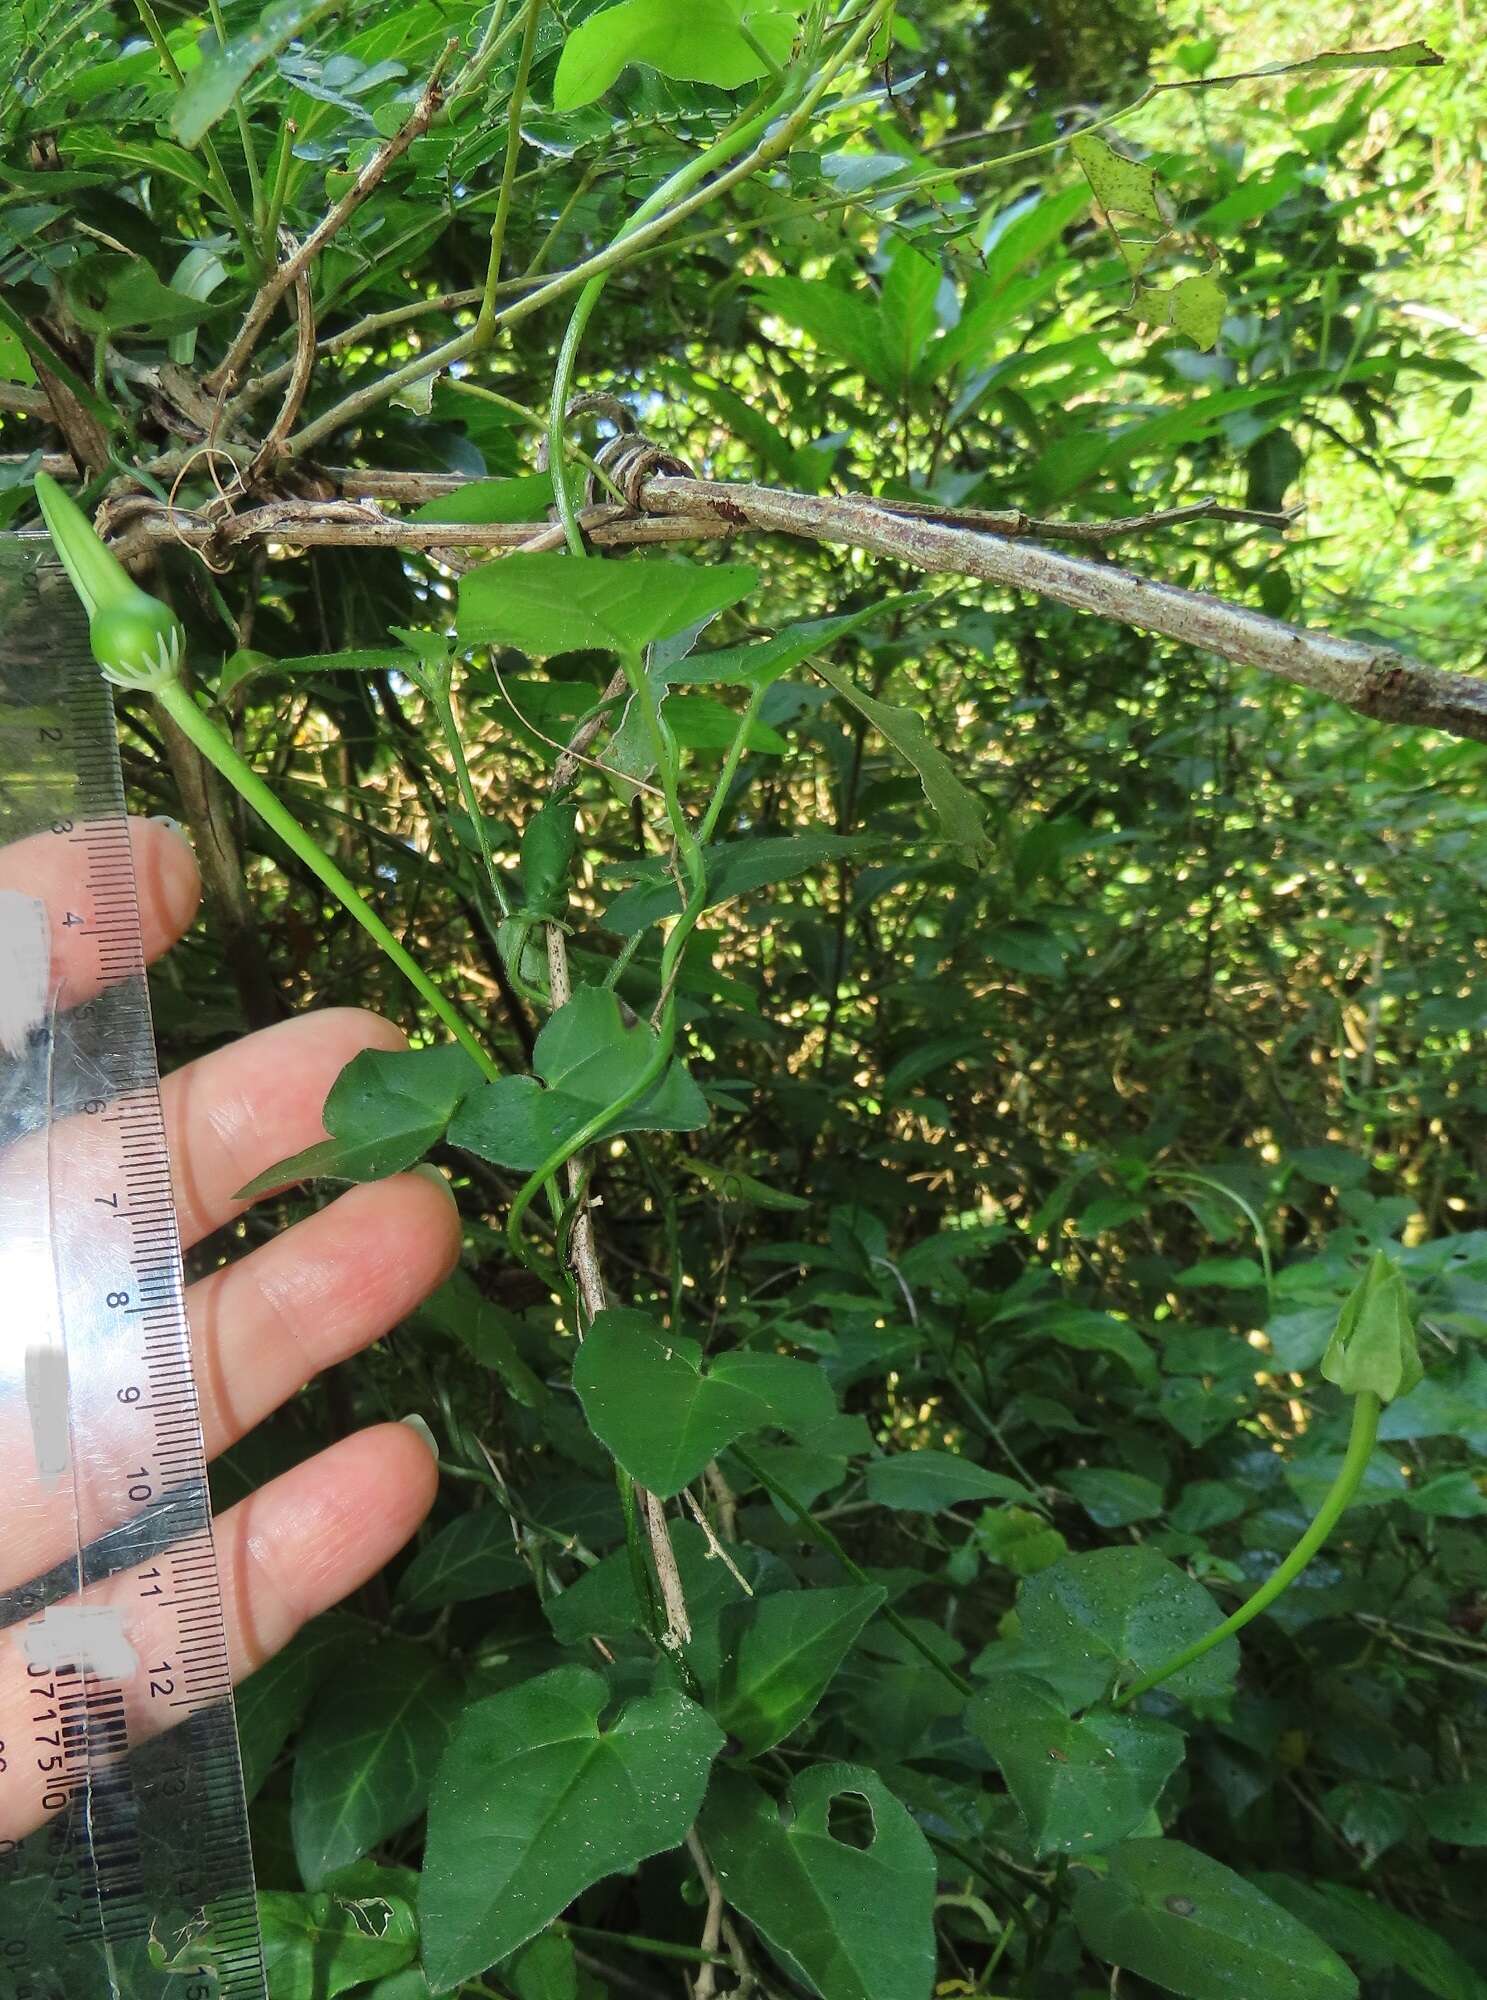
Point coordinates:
[[1373, 1356], [140, 643]]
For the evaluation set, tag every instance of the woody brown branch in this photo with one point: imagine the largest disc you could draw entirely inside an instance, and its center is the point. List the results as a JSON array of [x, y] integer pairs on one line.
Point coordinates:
[[1376, 681], [225, 374]]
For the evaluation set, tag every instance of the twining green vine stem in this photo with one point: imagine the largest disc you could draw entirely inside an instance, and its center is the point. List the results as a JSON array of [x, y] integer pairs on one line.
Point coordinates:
[[689, 852], [437, 681], [245, 135], [1361, 1441], [779, 134], [485, 321], [725, 147], [788, 112], [209, 151], [279, 191]]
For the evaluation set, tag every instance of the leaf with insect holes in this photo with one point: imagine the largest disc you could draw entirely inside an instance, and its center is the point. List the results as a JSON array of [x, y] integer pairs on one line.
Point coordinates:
[[1403, 55], [836, 1876], [551, 603], [1193, 307], [320, 1945], [648, 1397], [1119, 185], [587, 1056], [384, 1111]]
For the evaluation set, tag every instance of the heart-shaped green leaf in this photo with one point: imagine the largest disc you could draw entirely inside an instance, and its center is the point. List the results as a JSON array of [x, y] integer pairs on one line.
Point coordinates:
[[1081, 1785], [587, 1056], [647, 1396], [363, 1767], [778, 1654], [855, 1920], [1194, 1927], [1097, 1620], [535, 1801], [384, 1111], [713, 48], [473, 1557]]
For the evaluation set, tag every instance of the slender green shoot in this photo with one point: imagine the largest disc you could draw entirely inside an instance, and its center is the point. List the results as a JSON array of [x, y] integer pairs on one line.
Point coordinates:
[[1361, 1440]]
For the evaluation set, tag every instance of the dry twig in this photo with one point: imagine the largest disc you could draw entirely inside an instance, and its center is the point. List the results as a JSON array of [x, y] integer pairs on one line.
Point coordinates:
[[224, 376]]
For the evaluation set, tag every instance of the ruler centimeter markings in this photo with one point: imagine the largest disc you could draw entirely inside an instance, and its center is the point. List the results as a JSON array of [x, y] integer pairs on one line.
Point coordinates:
[[125, 1868]]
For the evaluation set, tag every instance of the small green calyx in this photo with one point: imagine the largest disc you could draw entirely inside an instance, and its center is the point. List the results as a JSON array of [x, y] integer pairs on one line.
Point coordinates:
[[1373, 1347], [138, 641]]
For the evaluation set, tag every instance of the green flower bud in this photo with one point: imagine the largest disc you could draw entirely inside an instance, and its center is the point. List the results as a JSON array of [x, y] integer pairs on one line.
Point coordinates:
[[1374, 1344], [137, 640]]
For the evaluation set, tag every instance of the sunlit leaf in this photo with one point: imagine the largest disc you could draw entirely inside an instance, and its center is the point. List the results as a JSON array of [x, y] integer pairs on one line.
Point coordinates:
[[714, 48], [555, 603]]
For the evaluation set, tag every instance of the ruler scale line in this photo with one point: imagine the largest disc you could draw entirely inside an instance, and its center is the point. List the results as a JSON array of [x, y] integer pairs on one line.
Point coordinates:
[[141, 1819]]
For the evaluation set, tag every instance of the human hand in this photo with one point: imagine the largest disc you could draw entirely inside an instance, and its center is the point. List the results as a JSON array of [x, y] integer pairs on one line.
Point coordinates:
[[263, 1326]]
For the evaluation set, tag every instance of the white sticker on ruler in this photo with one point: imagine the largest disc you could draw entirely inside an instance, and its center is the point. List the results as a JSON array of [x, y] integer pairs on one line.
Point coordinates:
[[88, 1637], [25, 966], [25, 960]]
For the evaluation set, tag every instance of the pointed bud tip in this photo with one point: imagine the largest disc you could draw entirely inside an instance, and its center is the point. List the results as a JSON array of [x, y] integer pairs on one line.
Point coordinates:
[[1374, 1347]]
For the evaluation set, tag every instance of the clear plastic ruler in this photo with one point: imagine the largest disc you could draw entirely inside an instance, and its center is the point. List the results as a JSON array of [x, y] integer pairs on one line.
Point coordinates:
[[125, 1870]]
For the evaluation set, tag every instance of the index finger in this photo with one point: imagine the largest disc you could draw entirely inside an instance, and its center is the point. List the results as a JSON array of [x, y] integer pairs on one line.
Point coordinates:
[[50, 874]]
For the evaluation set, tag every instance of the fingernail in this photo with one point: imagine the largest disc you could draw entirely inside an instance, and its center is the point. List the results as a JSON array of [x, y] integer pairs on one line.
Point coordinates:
[[420, 1429], [431, 1173]]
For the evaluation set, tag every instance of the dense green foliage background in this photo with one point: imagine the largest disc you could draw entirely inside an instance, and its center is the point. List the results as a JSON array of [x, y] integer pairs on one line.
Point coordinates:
[[1048, 1159]]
